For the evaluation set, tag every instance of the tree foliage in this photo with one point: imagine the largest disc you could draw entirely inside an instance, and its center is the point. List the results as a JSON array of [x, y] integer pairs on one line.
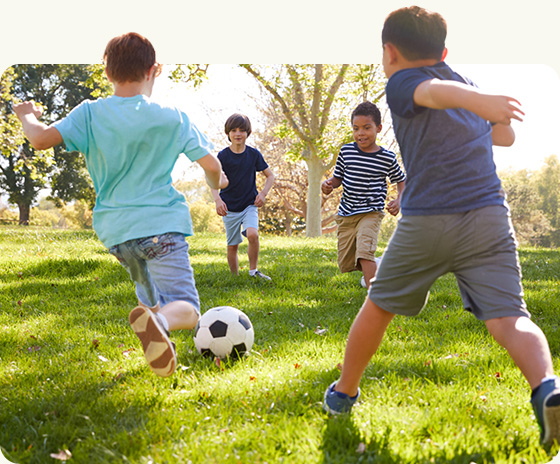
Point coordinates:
[[315, 101], [534, 197], [25, 171]]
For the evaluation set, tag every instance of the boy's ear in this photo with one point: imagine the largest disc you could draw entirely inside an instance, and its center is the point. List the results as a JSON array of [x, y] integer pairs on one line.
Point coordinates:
[[391, 51], [107, 74], [444, 54]]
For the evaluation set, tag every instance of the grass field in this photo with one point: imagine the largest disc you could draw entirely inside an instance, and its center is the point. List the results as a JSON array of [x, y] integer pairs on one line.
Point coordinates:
[[74, 383]]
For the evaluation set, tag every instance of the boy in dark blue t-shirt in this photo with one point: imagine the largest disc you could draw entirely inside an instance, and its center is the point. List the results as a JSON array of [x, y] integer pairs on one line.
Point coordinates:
[[238, 203], [455, 216]]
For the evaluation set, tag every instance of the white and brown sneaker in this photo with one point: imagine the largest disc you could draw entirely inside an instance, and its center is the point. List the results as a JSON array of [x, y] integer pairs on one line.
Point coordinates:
[[158, 349]]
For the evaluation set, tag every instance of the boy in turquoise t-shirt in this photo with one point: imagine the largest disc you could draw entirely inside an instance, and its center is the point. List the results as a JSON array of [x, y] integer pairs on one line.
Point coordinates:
[[131, 144]]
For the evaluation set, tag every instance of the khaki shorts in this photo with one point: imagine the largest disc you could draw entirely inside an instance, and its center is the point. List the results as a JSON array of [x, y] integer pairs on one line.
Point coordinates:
[[357, 239], [479, 247]]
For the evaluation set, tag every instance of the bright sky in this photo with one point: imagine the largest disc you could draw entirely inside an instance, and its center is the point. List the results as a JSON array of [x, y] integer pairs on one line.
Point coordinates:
[[537, 87]]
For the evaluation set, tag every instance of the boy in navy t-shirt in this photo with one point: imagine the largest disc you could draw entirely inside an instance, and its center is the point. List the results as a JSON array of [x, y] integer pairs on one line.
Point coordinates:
[[238, 203], [455, 216]]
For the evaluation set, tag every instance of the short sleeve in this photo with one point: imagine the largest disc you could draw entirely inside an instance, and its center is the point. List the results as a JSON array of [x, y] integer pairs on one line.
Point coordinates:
[[261, 164], [396, 174], [74, 128], [339, 166], [194, 143], [400, 91]]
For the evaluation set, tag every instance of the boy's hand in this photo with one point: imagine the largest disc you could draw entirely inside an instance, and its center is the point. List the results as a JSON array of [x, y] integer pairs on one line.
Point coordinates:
[[259, 200], [499, 109], [327, 187], [25, 108], [221, 207], [394, 206]]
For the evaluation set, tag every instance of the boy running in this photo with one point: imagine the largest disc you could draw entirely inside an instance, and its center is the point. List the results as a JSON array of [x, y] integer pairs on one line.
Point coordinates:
[[454, 214], [131, 144], [238, 203]]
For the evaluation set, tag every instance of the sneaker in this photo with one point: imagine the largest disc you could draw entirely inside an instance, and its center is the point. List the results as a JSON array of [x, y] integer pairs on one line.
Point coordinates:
[[338, 403], [546, 404], [262, 276], [363, 282], [158, 349]]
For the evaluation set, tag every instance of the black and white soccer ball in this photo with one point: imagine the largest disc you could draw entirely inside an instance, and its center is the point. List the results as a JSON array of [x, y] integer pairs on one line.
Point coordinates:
[[224, 332]]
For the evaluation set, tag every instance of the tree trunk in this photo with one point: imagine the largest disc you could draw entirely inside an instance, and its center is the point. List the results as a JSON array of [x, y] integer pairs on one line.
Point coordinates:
[[24, 209], [315, 171]]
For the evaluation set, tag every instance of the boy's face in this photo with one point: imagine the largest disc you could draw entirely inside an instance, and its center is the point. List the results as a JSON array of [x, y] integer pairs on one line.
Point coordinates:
[[365, 133], [238, 136]]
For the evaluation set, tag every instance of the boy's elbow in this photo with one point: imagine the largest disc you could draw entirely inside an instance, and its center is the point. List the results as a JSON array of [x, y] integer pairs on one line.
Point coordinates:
[[503, 136]]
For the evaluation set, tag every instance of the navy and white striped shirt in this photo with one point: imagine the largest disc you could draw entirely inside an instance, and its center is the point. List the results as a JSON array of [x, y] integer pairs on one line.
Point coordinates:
[[364, 178]]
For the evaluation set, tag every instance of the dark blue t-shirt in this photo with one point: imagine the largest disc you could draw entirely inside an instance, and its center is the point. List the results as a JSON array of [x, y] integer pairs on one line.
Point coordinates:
[[241, 170], [447, 154]]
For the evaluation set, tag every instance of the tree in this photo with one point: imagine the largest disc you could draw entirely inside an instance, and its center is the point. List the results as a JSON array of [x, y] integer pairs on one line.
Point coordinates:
[[315, 101], [548, 181], [22, 170], [25, 171], [530, 223], [285, 209]]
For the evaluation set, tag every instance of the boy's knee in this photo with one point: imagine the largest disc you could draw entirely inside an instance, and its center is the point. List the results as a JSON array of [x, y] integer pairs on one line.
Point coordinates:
[[252, 234]]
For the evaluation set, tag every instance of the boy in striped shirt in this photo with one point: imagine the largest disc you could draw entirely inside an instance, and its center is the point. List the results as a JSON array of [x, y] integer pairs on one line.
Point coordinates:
[[362, 168]]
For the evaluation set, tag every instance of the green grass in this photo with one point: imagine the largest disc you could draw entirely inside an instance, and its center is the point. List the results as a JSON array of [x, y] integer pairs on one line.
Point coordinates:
[[73, 376]]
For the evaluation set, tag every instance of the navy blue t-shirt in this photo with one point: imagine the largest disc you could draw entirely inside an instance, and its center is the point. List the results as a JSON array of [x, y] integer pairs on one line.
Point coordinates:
[[241, 170], [447, 154]]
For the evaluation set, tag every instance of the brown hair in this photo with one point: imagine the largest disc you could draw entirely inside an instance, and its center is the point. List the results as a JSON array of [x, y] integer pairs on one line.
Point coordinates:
[[367, 109], [129, 57], [416, 32], [237, 121]]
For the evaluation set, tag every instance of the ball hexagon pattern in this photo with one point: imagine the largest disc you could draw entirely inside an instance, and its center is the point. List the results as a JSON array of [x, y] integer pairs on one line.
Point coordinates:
[[224, 332]]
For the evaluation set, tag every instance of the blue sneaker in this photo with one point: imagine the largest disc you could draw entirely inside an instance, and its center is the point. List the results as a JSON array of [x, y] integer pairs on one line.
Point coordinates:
[[338, 403], [546, 404]]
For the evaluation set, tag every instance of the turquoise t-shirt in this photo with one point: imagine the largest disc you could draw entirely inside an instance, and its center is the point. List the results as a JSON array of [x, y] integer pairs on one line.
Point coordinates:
[[131, 146]]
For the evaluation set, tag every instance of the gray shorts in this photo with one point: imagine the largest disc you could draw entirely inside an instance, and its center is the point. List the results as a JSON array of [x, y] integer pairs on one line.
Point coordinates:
[[233, 223], [479, 247]]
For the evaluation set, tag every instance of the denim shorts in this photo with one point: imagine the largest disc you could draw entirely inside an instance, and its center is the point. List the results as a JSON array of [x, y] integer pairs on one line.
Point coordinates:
[[478, 246], [233, 222], [160, 268]]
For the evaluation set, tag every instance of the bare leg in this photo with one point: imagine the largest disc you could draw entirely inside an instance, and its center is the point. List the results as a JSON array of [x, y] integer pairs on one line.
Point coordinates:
[[526, 344], [364, 339], [232, 259], [253, 247], [369, 268], [179, 315]]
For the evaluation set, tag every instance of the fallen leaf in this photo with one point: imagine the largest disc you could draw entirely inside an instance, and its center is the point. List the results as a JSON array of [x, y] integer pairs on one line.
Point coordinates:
[[62, 455], [361, 448], [102, 358]]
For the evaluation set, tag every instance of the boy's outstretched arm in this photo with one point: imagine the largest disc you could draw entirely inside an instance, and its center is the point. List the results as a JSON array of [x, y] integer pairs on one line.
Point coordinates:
[[215, 177], [39, 134], [441, 95]]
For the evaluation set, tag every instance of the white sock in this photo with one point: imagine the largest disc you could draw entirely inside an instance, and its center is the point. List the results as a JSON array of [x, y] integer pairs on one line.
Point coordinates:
[[550, 377], [163, 321], [252, 272]]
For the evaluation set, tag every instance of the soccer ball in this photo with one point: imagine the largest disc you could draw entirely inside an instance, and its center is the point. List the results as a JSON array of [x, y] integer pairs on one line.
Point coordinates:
[[224, 331]]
